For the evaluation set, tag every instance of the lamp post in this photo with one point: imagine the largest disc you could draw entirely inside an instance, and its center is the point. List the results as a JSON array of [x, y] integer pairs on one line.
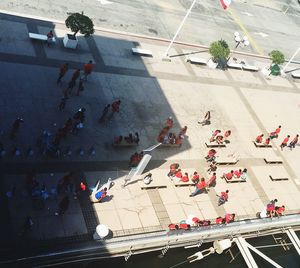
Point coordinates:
[[240, 40]]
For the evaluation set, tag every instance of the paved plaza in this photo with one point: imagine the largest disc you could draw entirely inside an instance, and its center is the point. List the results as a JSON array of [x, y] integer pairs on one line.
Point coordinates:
[[150, 90]]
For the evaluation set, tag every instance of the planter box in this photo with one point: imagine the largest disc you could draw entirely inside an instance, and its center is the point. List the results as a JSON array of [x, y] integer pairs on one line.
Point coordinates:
[[69, 41]]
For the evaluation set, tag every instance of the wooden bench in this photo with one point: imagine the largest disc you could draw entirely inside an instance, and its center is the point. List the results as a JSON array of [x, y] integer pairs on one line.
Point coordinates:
[[154, 184], [273, 178], [196, 60], [226, 161], [234, 65], [214, 145], [273, 160], [125, 144], [261, 145], [251, 68], [141, 51], [233, 180], [295, 74], [41, 37]]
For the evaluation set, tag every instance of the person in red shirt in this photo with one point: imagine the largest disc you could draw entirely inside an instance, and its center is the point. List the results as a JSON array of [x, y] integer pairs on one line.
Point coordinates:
[[195, 177], [223, 198], [228, 175], [184, 226], [87, 69], [267, 141], [219, 220], [275, 133], [219, 139], [259, 138], [237, 173], [285, 141], [185, 178], [229, 217], [178, 174], [214, 135], [173, 169], [211, 155], [212, 180], [227, 134], [115, 106], [173, 226], [293, 142], [62, 71], [200, 186], [279, 211], [169, 122]]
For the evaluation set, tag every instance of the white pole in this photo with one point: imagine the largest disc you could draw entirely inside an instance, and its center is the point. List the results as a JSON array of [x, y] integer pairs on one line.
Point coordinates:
[[187, 14], [291, 59]]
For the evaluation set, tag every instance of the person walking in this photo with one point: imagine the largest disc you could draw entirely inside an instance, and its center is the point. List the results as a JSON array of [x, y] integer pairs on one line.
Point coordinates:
[[200, 186], [115, 106], [70, 87], [285, 141], [87, 70], [75, 75], [102, 118], [62, 71], [15, 127], [63, 206], [63, 101], [293, 142], [80, 86], [223, 197]]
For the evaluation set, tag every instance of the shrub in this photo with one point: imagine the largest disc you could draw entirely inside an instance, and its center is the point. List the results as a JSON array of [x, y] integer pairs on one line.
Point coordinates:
[[219, 50], [277, 57], [78, 22]]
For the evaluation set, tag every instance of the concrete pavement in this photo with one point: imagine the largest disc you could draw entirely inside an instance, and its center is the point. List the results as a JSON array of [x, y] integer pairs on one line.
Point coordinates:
[[150, 90]]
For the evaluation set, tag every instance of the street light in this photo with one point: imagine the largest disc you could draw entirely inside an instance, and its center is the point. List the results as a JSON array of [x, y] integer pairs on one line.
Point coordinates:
[[240, 40]]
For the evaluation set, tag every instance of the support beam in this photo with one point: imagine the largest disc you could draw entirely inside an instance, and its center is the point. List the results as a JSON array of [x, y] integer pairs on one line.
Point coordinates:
[[294, 239], [241, 243]]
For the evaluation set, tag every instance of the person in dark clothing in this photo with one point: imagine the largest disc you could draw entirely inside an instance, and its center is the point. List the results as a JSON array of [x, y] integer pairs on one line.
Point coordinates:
[[105, 111], [63, 206]]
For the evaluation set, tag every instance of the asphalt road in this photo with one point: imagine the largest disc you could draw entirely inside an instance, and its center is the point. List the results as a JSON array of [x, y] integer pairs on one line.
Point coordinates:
[[269, 24]]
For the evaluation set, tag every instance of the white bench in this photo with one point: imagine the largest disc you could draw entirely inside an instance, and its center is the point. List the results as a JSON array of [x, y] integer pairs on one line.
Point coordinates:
[[273, 160], [295, 74], [196, 60], [141, 51], [181, 183], [226, 161], [261, 145], [234, 65], [278, 178], [252, 68], [214, 145], [41, 37]]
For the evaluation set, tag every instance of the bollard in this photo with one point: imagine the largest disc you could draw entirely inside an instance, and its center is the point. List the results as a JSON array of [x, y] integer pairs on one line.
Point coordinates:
[[92, 151], [17, 152], [30, 152], [81, 152]]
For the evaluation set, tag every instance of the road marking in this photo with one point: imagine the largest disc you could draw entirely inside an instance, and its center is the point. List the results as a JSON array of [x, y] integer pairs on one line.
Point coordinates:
[[104, 2], [248, 14], [263, 35], [240, 24]]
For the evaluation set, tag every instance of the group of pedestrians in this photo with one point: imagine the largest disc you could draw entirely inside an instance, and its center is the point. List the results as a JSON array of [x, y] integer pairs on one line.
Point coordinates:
[[286, 142]]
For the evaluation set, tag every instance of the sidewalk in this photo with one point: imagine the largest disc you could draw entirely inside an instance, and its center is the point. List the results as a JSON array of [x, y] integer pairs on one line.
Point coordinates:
[[150, 90]]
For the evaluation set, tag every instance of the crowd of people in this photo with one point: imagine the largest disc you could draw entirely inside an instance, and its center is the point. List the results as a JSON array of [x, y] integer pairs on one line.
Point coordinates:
[[167, 137], [130, 139], [235, 174], [219, 138], [193, 222], [286, 142]]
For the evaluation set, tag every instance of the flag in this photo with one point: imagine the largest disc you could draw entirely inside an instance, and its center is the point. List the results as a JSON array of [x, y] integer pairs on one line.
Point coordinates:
[[225, 3]]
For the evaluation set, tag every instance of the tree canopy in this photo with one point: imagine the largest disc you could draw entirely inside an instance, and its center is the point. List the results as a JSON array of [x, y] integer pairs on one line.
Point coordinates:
[[78, 22], [276, 56], [219, 50]]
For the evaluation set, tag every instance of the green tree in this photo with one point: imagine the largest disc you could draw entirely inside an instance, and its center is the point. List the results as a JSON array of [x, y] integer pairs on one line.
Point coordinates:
[[219, 50], [276, 56], [78, 22]]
